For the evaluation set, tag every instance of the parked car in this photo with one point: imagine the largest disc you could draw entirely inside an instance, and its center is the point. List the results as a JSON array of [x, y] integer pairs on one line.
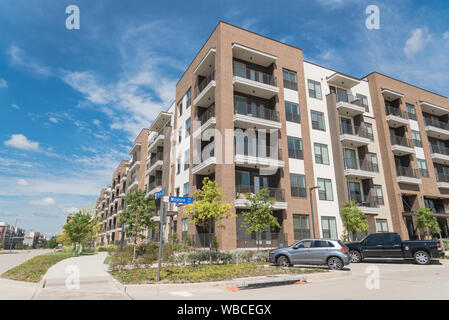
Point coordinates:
[[332, 253], [390, 247]]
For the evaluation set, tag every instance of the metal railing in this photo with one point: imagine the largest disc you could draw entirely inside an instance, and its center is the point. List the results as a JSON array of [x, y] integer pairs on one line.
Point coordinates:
[[260, 152], [359, 131], [155, 183], [442, 177], [434, 148], [207, 156], [209, 113], [342, 97], [390, 110], [370, 201], [436, 123], [273, 193], [410, 172], [263, 240], [256, 111], [361, 164], [402, 141], [156, 157], [203, 84], [258, 76]]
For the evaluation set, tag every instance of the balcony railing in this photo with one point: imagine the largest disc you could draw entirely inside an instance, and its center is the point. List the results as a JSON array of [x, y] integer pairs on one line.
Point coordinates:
[[402, 141], [436, 123], [153, 184], [203, 84], [205, 157], [254, 110], [209, 113], [342, 97], [355, 130], [442, 177], [273, 193], [156, 157], [390, 110], [434, 148], [365, 165], [258, 76], [410, 172], [270, 152], [370, 201]]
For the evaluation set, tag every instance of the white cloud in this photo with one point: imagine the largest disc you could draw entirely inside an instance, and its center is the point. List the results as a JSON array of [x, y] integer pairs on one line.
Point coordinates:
[[15, 106], [71, 210], [333, 4], [52, 119], [418, 40], [22, 182], [3, 83], [446, 35], [18, 58], [19, 141], [48, 201], [96, 122]]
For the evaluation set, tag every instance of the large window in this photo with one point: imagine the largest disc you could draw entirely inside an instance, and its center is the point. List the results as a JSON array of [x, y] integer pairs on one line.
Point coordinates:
[[290, 81], [416, 139], [301, 228], [381, 225], [184, 227], [317, 120], [369, 130], [298, 185], [295, 148], [372, 158], [363, 101], [422, 167], [187, 127], [325, 189], [329, 227], [379, 197], [314, 89], [411, 111], [186, 159], [189, 98], [321, 153], [186, 190], [292, 112]]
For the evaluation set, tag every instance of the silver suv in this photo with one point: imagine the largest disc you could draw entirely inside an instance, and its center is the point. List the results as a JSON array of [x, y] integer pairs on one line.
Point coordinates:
[[332, 253]]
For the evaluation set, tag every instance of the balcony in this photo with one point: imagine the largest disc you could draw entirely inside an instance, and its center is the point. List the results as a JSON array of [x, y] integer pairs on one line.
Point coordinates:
[[157, 141], [342, 80], [248, 115], [134, 184], [262, 157], [252, 55], [204, 92], [442, 180], [156, 162], [396, 117], [436, 129], [362, 169], [255, 83], [408, 175], [354, 136], [207, 162], [439, 154], [402, 146], [349, 105], [154, 187], [368, 205], [391, 95], [134, 165], [276, 194], [207, 119], [433, 109]]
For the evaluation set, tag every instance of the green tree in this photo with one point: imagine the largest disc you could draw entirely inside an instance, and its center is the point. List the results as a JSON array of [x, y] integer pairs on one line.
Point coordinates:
[[208, 207], [353, 219], [79, 227], [426, 221], [258, 217], [136, 218]]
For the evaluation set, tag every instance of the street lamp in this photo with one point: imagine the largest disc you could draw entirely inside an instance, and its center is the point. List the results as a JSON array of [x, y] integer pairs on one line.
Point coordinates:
[[311, 208]]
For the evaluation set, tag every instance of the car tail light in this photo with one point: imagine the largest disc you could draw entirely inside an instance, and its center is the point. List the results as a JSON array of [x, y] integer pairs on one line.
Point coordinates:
[[344, 250], [438, 245]]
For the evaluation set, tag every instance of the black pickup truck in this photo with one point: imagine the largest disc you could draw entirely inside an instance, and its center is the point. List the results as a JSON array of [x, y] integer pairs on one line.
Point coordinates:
[[390, 247]]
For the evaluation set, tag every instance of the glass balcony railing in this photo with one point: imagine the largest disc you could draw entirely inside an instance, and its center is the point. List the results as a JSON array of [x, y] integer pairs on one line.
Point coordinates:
[[267, 152], [410, 172], [206, 115], [359, 131], [365, 165], [255, 110], [390, 110], [434, 148], [255, 75], [154, 184], [156, 157], [402, 141], [273, 193], [203, 84], [436, 123]]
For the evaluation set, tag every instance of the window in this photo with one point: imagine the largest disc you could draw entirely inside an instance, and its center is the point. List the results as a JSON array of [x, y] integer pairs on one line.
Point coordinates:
[[363, 101], [416, 139], [177, 192], [298, 185], [411, 111], [186, 159], [325, 189], [317, 120], [189, 98], [304, 244], [186, 189], [321, 153], [374, 240], [381, 225], [292, 112], [178, 166], [422, 167], [379, 197], [329, 227], [290, 81], [322, 244], [369, 130], [301, 228], [179, 109], [355, 192], [187, 127], [391, 239], [372, 158], [295, 148], [314, 89], [184, 227], [179, 135]]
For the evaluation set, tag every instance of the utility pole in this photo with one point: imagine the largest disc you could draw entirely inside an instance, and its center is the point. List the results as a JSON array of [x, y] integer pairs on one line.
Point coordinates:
[[161, 234], [311, 208]]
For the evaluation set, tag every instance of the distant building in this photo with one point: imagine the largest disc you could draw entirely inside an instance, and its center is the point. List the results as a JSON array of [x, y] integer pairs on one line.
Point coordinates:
[[10, 235], [31, 239]]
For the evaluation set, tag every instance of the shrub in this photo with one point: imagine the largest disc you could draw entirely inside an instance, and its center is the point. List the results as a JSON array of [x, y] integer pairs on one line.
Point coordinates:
[[445, 243], [262, 256], [214, 243], [187, 241], [174, 237]]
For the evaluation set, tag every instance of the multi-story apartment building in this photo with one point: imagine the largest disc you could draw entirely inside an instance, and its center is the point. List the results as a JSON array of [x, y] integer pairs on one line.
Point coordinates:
[[413, 126], [250, 113]]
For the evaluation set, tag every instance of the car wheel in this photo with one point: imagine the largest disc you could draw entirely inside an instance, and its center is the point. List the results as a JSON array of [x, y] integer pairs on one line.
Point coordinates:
[[282, 261], [335, 263], [422, 257], [356, 257]]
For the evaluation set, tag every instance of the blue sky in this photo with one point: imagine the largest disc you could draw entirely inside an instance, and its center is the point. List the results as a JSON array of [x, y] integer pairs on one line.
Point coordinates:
[[73, 100]]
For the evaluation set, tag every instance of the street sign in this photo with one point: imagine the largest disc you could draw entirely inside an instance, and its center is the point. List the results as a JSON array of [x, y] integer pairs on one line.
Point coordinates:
[[178, 199], [159, 194]]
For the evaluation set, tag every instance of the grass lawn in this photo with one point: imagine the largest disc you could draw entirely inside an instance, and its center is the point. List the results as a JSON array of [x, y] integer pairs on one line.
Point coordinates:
[[107, 260], [202, 273], [34, 269], [7, 252]]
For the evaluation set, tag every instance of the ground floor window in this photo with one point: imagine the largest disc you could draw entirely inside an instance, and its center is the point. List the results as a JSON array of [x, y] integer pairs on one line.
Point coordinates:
[[410, 228], [301, 228], [329, 227], [381, 225], [184, 227]]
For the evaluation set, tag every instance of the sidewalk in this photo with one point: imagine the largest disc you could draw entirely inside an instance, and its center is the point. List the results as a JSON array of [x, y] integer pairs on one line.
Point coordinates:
[[95, 283]]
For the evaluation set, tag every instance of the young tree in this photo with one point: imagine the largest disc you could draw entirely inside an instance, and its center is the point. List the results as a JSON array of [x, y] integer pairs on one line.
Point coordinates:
[[353, 219], [136, 218], [208, 207], [258, 216], [426, 221], [79, 227]]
